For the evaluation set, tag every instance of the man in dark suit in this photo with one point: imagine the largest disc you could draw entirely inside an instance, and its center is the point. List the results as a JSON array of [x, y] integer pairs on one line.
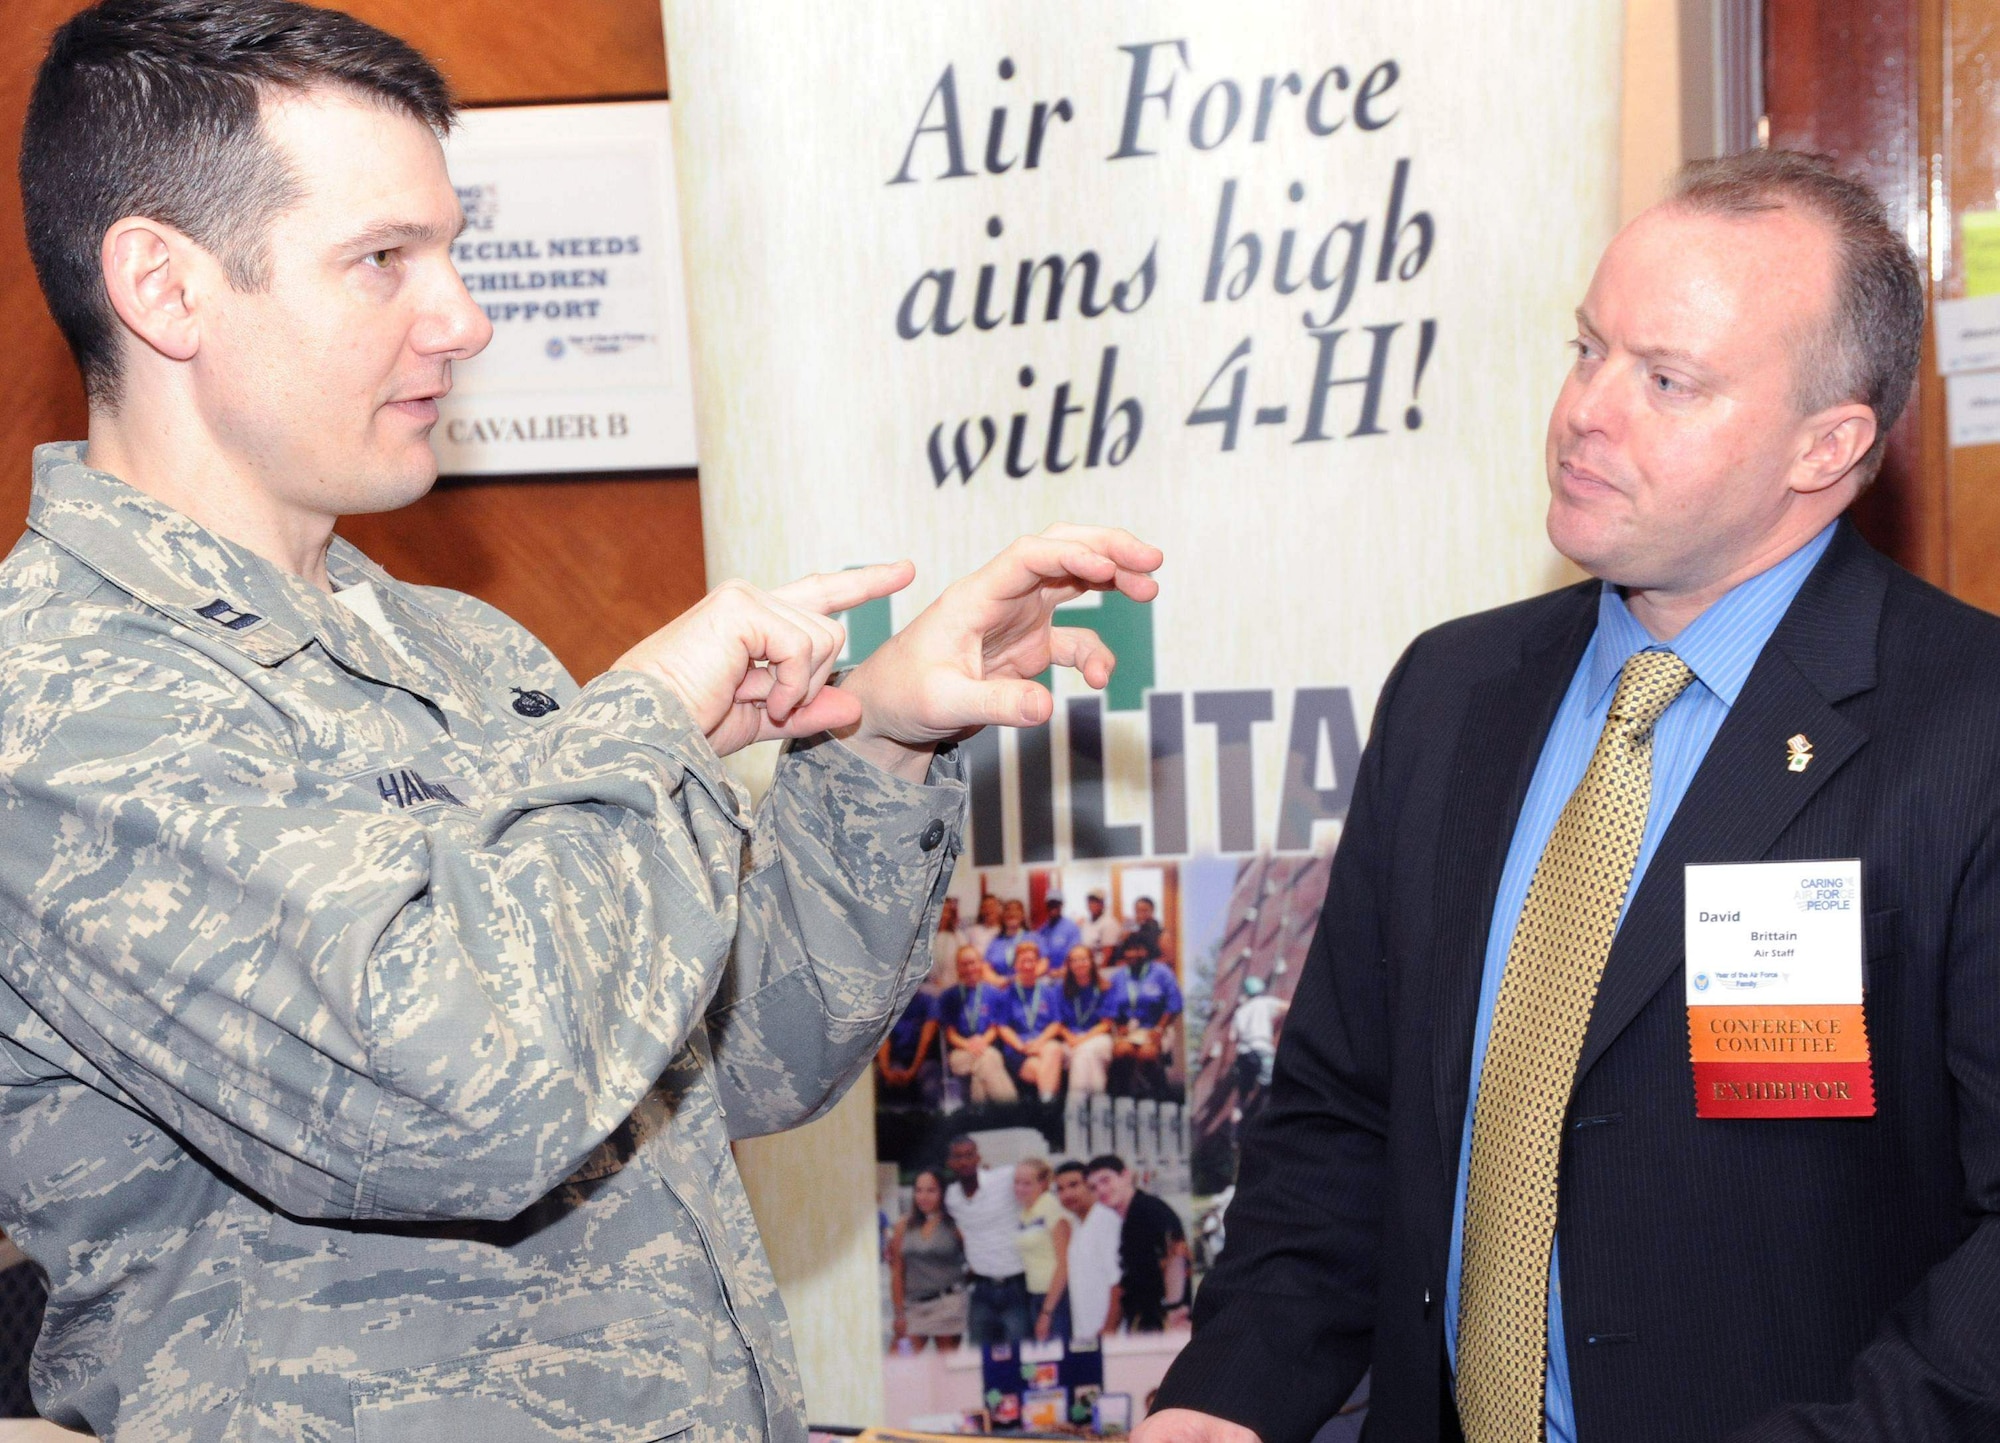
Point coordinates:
[[1481, 1172]]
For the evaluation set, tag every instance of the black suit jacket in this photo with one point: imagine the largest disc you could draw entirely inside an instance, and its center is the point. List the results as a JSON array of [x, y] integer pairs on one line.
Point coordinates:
[[1831, 1279]]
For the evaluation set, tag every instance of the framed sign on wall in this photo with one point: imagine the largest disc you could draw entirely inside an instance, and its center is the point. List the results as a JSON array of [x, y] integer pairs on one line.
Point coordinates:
[[572, 247]]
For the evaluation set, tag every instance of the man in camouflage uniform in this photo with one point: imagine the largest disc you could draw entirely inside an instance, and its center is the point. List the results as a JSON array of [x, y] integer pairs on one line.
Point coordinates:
[[377, 1006]]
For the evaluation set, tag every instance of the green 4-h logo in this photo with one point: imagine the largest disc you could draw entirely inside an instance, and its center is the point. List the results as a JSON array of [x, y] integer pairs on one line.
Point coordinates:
[[1125, 625]]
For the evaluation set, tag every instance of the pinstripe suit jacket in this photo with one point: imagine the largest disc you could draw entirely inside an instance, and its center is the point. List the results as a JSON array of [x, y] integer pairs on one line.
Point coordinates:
[[1831, 1280]]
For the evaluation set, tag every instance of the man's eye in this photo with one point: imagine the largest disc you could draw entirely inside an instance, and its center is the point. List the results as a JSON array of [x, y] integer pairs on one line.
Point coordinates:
[[381, 260], [1668, 386], [1584, 350]]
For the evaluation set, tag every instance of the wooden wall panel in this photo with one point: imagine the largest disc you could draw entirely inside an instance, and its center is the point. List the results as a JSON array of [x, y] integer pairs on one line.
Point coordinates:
[[42, 399], [1844, 78], [1971, 154], [497, 53], [588, 566]]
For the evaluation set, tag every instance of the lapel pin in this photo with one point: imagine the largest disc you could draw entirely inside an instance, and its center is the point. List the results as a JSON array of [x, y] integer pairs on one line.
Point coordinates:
[[1798, 752]]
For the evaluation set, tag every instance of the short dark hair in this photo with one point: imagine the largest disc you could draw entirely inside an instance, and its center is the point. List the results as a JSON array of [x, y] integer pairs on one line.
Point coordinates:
[[154, 108], [1105, 1162], [1072, 1165], [1869, 346]]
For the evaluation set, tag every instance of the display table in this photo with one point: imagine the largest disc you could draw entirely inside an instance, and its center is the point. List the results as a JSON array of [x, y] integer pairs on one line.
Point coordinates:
[[925, 1390]]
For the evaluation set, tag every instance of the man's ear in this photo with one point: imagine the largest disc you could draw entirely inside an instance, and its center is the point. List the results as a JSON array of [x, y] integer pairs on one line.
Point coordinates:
[[1835, 441], [153, 275]]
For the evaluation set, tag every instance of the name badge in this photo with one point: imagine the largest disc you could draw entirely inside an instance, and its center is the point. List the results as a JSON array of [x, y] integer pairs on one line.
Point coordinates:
[[1775, 1021]]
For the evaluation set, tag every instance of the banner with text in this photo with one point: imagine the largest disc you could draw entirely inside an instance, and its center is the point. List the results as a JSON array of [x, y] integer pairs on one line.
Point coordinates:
[[1283, 288]]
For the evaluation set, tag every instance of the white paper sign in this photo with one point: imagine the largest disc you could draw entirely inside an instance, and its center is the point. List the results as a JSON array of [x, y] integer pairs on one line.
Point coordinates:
[[1968, 335], [573, 248], [1972, 406], [1774, 934]]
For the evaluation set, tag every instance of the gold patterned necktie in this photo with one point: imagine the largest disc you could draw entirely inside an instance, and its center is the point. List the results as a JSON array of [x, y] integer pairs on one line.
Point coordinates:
[[1553, 967]]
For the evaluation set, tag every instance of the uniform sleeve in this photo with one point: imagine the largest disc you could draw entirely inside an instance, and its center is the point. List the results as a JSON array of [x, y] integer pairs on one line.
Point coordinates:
[[848, 877], [362, 1013]]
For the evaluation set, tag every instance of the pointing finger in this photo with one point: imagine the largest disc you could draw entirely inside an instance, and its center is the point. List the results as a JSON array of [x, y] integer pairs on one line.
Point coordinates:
[[831, 591], [1023, 567], [1120, 545]]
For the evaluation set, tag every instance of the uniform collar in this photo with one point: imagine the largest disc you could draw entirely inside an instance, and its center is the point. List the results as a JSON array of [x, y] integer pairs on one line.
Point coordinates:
[[1722, 644], [142, 546], [211, 585]]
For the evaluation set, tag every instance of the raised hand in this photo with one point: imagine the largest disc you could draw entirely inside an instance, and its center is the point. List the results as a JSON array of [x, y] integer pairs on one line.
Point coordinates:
[[970, 659], [752, 665]]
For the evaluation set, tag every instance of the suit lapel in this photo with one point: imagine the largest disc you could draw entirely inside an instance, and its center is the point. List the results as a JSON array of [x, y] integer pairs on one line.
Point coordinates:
[[1498, 747], [1744, 795]]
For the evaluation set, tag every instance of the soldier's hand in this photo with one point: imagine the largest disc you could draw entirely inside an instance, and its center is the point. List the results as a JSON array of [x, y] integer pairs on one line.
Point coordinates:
[[751, 665], [970, 659], [1184, 1425]]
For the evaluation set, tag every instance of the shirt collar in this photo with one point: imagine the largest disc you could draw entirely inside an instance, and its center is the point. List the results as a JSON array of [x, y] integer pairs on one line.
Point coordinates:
[[142, 546], [1722, 644], [209, 584]]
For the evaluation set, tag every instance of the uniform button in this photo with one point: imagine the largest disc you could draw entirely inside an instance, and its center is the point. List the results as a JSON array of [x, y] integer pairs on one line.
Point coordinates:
[[933, 834]]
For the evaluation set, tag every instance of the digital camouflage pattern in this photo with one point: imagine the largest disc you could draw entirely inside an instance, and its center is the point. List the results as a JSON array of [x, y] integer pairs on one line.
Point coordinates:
[[373, 1029]]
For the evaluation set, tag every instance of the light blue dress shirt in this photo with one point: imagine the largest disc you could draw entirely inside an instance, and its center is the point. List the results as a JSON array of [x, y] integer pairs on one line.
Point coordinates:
[[1719, 646]]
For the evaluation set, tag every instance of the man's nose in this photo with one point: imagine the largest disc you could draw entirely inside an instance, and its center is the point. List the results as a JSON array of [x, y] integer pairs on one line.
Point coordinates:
[[1590, 402], [458, 327]]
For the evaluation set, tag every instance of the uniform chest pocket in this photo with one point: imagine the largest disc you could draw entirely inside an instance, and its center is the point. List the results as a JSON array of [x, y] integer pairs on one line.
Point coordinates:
[[633, 1381]]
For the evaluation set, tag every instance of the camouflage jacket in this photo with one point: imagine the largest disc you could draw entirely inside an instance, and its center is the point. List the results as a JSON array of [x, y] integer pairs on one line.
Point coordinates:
[[373, 1029]]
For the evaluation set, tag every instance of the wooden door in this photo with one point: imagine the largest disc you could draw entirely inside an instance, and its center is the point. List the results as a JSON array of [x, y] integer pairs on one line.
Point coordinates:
[[1904, 94]]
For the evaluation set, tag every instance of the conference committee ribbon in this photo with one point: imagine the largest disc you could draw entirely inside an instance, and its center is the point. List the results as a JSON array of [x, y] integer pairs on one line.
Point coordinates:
[[1774, 990]]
